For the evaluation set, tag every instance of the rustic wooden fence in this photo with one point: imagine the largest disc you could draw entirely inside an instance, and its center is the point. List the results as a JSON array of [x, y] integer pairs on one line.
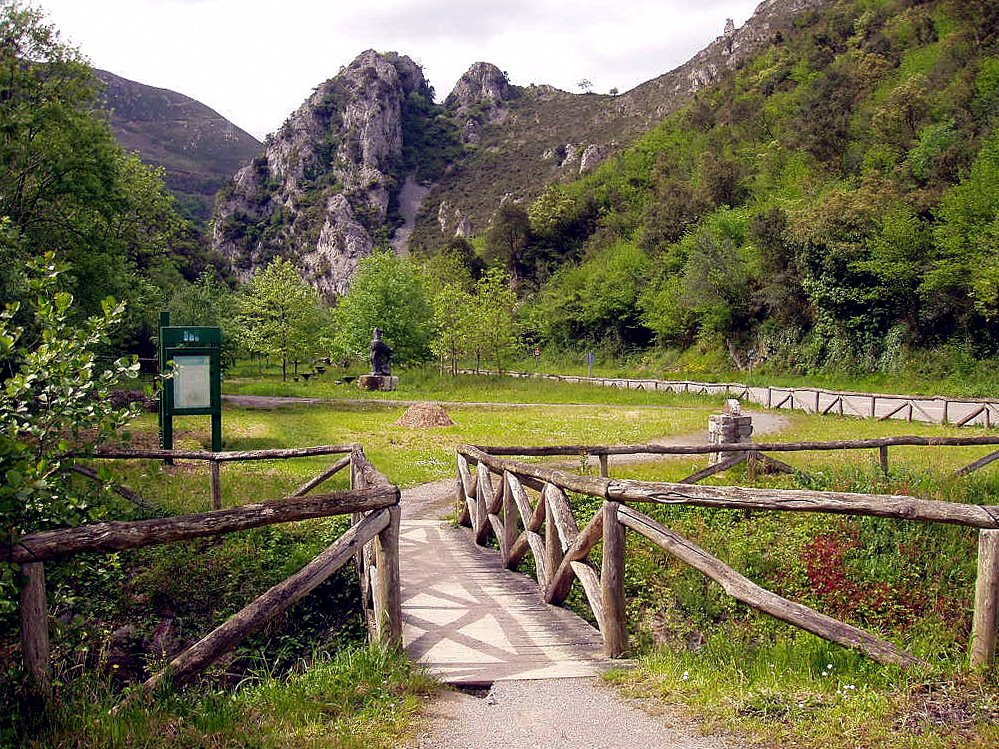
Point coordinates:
[[525, 506], [932, 409], [372, 540]]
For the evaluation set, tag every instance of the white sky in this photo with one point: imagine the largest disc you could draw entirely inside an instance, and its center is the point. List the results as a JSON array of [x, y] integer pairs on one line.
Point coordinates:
[[255, 62]]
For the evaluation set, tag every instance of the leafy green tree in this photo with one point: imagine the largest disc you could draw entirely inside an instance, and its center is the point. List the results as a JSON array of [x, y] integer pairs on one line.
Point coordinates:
[[454, 313], [507, 238], [281, 315], [66, 185], [208, 301], [54, 396], [490, 320], [387, 293]]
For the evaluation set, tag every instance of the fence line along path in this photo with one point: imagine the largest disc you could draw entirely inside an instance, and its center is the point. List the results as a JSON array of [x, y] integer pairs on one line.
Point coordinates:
[[473, 622], [930, 409]]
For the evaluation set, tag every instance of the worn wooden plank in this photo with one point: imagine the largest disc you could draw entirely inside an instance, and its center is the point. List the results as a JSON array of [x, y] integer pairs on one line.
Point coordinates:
[[118, 536], [986, 616], [35, 630], [228, 456], [722, 465], [561, 579], [560, 515], [388, 604], [484, 498], [470, 621], [980, 463], [615, 620], [311, 484], [596, 485], [748, 592], [120, 489]]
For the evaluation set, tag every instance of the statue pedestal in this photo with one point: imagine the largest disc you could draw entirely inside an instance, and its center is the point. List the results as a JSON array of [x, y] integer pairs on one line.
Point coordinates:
[[377, 382]]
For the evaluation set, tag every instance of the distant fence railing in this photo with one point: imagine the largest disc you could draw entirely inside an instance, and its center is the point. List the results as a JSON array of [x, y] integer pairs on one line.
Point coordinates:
[[372, 540], [495, 498], [931, 409]]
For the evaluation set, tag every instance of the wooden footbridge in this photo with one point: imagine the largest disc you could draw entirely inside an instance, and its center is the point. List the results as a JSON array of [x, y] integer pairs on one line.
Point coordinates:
[[455, 597]]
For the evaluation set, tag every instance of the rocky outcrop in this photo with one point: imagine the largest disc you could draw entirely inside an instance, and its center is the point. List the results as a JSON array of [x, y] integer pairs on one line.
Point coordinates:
[[479, 98], [320, 191]]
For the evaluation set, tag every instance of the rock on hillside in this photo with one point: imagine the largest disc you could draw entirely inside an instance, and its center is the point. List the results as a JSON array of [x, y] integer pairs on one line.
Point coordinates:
[[198, 148], [323, 191], [527, 137]]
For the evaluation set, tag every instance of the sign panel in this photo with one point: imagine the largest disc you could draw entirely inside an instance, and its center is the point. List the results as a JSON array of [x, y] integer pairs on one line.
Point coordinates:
[[192, 381]]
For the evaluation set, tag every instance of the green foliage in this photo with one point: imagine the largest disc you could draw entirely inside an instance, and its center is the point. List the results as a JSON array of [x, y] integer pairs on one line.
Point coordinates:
[[53, 397], [281, 315], [65, 184], [387, 293], [833, 193], [595, 300], [209, 301]]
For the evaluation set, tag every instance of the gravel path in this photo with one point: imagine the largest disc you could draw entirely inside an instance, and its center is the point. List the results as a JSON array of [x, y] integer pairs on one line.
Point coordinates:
[[549, 713]]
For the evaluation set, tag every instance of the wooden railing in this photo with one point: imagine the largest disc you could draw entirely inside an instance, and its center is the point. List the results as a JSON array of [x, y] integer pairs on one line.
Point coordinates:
[[372, 540], [755, 452], [525, 506], [933, 409]]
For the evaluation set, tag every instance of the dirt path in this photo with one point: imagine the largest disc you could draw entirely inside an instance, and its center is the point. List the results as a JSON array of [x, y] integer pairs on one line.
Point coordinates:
[[562, 713]]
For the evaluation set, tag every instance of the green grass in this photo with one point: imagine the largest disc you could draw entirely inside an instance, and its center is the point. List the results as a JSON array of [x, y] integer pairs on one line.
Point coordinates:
[[427, 384], [306, 683], [360, 699]]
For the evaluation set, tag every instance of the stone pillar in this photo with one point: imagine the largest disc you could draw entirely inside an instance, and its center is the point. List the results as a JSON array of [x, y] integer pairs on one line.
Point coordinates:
[[730, 426]]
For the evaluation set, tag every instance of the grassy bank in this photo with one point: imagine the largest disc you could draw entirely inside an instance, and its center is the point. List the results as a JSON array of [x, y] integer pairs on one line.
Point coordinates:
[[913, 583]]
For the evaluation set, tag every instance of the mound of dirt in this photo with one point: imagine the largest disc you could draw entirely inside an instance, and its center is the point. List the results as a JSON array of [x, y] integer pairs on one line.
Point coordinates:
[[425, 415]]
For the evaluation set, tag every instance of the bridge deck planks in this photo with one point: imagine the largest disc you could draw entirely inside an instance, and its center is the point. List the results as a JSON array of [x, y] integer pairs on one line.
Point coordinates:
[[472, 621]]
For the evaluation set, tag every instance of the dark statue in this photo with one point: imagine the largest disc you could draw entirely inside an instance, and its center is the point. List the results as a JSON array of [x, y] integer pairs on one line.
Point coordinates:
[[381, 356]]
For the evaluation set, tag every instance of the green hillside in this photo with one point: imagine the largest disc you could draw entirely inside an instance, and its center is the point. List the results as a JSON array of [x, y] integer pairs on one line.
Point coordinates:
[[832, 202]]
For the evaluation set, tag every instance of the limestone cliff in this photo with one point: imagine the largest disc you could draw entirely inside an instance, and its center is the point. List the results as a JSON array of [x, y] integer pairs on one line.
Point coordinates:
[[321, 193]]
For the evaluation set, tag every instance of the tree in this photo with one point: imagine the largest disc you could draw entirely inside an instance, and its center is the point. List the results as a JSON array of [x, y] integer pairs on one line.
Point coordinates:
[[508, 237], [490, 320], [454, 312], [585, 85], [65, 183], [281, 315], [54, 396], [387, 293], [208, 301]]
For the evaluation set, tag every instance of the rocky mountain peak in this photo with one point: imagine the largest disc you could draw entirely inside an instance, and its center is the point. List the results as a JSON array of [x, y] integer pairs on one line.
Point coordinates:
[[320, 191], [483, 83]]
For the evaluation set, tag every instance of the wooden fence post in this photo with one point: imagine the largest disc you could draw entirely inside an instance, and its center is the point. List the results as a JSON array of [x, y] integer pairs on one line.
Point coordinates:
[[615, 630], [389, 604], [986, 619], [604, 469], [883, 457], [553, 544], [946, 408], [874, 406], [816, 401], [216, 486], [35, 630]]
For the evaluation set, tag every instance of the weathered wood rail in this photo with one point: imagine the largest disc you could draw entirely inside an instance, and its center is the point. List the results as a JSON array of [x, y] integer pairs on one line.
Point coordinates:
[[933, 409], [525, 506], [756, 451], [372, 540]]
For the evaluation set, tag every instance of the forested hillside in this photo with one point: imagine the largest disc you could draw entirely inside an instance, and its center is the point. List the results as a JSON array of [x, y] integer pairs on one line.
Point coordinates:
[[833, 201]]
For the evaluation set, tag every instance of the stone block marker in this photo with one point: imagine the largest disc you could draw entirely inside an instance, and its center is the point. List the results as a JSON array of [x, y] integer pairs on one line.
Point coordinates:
[[731, 426], [377, 382]]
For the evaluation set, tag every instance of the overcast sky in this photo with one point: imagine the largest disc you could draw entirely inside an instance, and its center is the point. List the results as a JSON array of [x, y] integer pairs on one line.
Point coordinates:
[[255, 62]]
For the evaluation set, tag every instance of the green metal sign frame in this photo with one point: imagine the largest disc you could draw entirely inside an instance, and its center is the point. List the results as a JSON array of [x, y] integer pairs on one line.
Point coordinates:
[[190, 342]]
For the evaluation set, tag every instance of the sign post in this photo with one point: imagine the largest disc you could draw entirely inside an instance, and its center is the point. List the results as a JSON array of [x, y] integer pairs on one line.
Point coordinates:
[[191, 355], [591, 358]]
